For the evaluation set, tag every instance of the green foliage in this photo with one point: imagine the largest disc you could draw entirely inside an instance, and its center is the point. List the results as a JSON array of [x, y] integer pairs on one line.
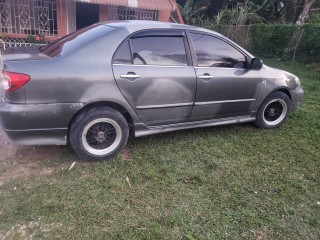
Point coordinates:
[[237, 15], [271, 40], [275, 41], [314, 18], [38, 39], [191, 11], [272, 11], [309, 48]]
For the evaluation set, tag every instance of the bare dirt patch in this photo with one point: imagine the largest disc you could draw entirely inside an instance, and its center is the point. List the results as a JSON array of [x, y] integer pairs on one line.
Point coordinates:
[[29, 230], [23, 161], [126, 153]]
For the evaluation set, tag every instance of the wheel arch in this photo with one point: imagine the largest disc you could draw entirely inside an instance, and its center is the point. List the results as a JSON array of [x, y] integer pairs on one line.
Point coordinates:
[[281, 89], [264, 96], [113, 105], [275, 94], [284, 90]]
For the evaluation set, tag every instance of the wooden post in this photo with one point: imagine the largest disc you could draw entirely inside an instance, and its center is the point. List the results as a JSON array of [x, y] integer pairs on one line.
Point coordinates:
[[66, 17], [176, 9], [103, 13], [61, 17], [164, 16]]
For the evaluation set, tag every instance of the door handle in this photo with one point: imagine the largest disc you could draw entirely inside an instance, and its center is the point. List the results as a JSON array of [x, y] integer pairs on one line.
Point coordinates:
[[206, 76], [130, 75]]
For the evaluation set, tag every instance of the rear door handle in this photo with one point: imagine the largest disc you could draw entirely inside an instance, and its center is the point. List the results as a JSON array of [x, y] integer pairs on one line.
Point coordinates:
[[206, 76], [130, 75]]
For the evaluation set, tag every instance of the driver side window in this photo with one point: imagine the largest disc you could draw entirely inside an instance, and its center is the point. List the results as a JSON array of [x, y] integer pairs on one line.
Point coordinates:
[[214, 52]]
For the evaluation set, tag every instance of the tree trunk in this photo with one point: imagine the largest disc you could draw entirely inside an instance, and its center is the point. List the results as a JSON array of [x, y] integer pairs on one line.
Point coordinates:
[[245, 4], [304, 15]]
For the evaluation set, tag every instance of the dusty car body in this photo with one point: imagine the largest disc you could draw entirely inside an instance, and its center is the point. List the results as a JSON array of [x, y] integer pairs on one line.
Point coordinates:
[[139, 76]]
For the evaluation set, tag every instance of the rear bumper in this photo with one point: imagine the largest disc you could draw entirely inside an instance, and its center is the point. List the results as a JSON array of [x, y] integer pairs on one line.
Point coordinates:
[[38, 137], [296, 97], [37, 124]]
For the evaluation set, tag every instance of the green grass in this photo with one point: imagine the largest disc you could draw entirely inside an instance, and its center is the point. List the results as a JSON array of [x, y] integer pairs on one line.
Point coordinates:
[[230, 182]]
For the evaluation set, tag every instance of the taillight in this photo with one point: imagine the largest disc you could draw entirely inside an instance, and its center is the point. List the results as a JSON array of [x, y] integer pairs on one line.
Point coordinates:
[[13, 81]]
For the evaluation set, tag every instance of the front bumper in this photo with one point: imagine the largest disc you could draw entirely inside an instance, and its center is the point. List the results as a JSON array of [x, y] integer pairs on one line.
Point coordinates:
[[296, 97], [37, 124]]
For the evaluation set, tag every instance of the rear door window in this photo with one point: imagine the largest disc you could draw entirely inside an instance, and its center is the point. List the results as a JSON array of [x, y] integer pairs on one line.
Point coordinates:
[[124, 55], [158, 50]]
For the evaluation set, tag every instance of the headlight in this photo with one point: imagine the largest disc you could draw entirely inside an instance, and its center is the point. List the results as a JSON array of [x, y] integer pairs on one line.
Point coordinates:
[[297, 81]]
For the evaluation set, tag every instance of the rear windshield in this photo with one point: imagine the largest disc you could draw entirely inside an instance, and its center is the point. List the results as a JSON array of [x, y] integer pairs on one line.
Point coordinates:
[[74, 40]]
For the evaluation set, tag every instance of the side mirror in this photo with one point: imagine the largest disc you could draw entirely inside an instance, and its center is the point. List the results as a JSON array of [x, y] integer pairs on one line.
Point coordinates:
[[256, 64]]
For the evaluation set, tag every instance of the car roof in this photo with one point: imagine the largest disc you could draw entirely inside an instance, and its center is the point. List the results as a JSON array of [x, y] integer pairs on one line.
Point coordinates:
[[135, 25]]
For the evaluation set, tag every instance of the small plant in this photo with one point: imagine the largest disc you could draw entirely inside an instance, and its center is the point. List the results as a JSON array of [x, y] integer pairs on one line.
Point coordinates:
[[38, 39]]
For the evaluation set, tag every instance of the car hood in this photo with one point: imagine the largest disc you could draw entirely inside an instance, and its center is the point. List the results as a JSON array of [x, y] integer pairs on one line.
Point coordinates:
[[23, 53]]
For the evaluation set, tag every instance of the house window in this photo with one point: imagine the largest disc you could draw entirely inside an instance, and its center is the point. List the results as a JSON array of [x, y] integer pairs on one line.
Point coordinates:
[[127, 13], [34, 17]]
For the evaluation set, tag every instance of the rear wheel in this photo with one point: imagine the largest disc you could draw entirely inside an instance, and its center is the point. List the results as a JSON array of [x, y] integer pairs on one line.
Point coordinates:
[[99, 133], [273, 111]]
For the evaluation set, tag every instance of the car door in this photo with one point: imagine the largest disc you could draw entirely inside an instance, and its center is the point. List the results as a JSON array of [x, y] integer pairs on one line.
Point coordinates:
[[154, 73], [226, 87]]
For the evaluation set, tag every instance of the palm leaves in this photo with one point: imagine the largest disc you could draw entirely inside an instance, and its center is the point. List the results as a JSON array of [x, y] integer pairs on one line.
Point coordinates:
[[240, 14], [191, 11]]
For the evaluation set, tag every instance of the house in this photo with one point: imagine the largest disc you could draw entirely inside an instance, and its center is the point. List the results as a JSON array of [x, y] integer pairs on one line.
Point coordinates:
[[56, 18]]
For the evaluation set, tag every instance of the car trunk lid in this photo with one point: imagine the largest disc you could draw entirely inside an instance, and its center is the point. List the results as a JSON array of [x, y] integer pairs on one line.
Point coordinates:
[[23, 54]]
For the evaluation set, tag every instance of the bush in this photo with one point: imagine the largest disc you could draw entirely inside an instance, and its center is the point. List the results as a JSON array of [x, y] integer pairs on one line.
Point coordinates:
[[301, 43]]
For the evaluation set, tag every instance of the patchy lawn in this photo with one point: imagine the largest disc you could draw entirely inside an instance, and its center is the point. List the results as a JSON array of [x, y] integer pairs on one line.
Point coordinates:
[[228, 182]]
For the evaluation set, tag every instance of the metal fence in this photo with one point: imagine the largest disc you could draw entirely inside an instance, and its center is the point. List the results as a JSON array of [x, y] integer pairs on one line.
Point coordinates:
[[15, 42], [35, 17], [127, 13]]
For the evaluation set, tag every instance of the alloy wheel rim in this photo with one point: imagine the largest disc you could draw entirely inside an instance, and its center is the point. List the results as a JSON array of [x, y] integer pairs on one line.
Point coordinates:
[[101, 136], [275, 112]]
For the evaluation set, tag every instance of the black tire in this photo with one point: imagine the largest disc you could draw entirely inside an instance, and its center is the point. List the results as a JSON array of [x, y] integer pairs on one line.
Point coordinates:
[[98, 133], [273, 111]]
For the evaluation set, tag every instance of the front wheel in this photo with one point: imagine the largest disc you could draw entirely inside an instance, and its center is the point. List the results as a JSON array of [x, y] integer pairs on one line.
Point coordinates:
[[99, 133], [273, 111]]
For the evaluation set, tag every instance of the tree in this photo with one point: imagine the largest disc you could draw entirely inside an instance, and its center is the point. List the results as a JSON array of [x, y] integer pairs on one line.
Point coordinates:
[[191, 11], [240, 14], [286, 11], [273, 11], [304, 14]]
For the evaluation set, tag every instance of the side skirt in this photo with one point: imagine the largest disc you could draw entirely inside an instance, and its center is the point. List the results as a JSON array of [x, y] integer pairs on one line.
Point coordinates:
[[142, 130]]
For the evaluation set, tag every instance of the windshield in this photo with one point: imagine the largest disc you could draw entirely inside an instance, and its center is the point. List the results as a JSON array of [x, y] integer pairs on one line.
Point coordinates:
[[71, 40]]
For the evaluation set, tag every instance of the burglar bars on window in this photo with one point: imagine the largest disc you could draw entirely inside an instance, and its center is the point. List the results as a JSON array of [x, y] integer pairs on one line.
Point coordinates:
[[31, 17]]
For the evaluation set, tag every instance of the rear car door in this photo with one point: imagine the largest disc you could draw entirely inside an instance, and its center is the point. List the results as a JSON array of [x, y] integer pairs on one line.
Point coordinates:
[[226, 87], [154, 72]]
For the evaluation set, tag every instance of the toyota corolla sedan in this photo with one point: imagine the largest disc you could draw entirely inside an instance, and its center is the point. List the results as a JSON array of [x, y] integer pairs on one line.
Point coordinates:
[[95, 86]]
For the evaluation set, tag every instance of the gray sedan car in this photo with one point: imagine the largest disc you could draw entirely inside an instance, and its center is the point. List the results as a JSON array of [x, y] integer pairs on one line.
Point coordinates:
[[93, 87]]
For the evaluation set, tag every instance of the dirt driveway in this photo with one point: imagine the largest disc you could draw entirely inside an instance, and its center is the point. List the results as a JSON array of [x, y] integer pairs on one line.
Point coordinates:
[[18, 161], [23, 161]]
